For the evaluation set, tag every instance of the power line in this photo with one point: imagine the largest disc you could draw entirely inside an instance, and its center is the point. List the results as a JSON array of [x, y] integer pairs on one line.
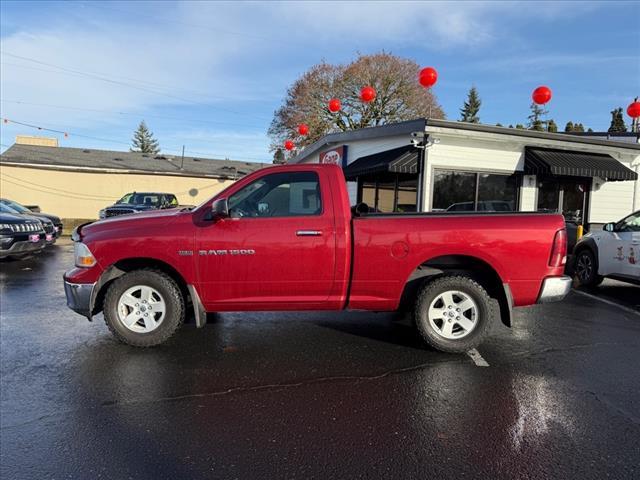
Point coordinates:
[[101, 77], [69, 133], [139, 115]]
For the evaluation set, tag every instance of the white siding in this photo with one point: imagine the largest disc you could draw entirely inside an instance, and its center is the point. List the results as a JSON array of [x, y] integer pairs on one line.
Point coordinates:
[[610, 201]]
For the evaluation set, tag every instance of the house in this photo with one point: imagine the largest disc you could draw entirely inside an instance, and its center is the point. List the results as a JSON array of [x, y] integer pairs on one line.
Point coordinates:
[[75, 183], [429, 165]]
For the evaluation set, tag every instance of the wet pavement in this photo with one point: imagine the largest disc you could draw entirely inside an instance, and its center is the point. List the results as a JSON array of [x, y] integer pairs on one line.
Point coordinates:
[[313, 395]]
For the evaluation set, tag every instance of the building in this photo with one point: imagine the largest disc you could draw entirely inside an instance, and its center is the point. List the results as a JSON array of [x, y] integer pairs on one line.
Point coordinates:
[[75, 183], [437, 165]]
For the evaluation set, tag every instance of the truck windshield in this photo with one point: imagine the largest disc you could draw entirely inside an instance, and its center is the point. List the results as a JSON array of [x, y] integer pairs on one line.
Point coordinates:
[[142, 199]]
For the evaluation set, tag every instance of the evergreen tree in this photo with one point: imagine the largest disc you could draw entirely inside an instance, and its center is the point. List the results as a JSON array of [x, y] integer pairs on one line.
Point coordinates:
[[578, 127], [569, 126], [499, 124], [510, 125], [520, 126], [278, 156], [617, 121], [470, 109], [535, 123], [143, 140], [590, 129], [552, 127]]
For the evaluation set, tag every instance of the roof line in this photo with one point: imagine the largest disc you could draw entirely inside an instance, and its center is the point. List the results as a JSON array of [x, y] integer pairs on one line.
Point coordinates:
[[419, 124], [71, 168]]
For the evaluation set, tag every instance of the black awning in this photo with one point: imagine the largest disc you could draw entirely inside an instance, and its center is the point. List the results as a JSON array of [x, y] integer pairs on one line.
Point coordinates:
[[579, 164], [399, 160]]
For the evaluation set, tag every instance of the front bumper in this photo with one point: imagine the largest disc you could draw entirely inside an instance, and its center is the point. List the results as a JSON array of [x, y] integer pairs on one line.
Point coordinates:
[[554, 289], [23, 247], [79, 297]]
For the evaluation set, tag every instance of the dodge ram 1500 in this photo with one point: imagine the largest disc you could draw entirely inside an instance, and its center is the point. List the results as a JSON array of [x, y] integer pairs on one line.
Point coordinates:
[[286, 238]]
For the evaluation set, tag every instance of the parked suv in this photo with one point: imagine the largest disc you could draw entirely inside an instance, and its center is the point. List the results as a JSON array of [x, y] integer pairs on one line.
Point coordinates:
[[137, 202], [613, 252], [20, 236], [54, 221]]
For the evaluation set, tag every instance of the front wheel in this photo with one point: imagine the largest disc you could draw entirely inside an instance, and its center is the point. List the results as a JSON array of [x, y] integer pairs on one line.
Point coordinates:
[[453, 313], [586, 269], [144, 308]]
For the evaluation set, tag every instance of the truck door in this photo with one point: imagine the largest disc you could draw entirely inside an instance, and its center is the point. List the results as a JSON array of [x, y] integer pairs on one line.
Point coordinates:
[[275, 251]]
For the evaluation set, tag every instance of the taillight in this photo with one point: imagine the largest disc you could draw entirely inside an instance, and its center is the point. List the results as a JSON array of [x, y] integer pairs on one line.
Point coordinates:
[[559, 251]]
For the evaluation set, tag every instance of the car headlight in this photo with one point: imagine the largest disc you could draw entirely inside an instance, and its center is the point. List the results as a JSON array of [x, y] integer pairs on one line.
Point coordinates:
[[83, 256], [102, 213]]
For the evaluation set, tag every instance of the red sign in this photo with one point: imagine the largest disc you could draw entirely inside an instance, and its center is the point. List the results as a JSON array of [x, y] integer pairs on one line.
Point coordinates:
[[336, 156]]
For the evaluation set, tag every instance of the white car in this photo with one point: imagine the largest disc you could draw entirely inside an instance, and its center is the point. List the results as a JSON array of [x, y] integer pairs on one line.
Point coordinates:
[[613, 252]]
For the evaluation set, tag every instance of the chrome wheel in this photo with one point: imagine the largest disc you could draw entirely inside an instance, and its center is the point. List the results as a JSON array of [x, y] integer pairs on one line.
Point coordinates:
[[141, 309], [453, 314], [584, 267]]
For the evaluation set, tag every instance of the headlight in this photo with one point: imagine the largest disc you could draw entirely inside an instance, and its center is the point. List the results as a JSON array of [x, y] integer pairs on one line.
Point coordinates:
[[83, 256], [102, 213]]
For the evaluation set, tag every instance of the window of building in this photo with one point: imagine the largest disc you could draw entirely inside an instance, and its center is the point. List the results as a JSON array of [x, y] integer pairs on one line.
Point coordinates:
[[278, 195], [455, 191], [389, 192]]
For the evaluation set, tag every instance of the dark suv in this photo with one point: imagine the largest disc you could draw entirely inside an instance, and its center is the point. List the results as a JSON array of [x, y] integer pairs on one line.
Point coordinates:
[[20, 236], [52, 223], [137, 202]]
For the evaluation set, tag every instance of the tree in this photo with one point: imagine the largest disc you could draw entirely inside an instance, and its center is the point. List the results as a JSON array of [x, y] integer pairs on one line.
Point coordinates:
[[617, 121], [399, 97], [278, 156], [499, 125], [535, 123], [470, 109], [569, 126], [143, 140], [590, 129], [578, 127], [552, 127], [519, 126]]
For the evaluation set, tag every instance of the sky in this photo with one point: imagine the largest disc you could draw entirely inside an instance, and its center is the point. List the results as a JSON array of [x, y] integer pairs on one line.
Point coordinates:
[[209, 75]]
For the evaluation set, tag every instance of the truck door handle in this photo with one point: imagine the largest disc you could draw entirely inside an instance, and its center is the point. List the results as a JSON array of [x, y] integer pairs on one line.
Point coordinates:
[[309, 233]]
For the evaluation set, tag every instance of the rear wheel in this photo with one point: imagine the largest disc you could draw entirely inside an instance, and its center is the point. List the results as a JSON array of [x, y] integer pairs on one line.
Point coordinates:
[[586, 269], [144, 308], [453, 313]]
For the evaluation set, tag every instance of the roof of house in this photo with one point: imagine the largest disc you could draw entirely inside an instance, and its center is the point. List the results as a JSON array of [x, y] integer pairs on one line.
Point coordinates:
[[66, 158], [419, 125], [625, 137]]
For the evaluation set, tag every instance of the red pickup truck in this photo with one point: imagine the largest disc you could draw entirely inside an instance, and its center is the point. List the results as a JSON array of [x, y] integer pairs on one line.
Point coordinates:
[[286, 238]]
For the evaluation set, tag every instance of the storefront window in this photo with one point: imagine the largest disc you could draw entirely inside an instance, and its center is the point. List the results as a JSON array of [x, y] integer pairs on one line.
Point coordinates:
[[389, 192], [455, 191]]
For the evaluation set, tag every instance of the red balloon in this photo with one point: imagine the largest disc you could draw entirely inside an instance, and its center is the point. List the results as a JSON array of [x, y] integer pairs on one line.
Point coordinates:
[[288, 145], [541, 95], [428, 77], [367, 94], [334, 105], [303, 129], [633, 110]]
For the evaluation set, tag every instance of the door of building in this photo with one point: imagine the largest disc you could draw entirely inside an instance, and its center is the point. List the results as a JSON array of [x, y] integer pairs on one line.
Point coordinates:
[[568, 196]]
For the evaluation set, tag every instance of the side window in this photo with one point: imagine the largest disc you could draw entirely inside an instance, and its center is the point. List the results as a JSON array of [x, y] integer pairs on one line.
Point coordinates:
[[630, 224], [278, 195]]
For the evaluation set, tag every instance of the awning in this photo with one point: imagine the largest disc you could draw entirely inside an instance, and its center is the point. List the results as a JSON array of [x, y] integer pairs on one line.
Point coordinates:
[[399, 160], [579, 164]]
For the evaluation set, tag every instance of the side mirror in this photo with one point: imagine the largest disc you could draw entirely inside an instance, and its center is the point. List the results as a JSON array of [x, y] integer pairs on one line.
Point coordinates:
[[219, 209], [609, 227]]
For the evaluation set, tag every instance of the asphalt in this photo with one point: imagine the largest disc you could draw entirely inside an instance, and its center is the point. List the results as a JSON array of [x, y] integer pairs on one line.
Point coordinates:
[[313, 395]]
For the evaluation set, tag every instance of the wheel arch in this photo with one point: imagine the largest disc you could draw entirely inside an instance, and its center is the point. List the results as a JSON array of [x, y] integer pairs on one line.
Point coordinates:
[[476, 268], [136, 263]]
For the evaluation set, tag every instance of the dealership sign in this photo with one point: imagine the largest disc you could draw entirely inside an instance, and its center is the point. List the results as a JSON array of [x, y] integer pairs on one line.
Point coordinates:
[[336, 156]]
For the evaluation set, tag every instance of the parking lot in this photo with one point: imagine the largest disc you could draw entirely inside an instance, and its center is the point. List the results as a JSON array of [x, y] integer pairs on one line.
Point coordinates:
[[317, 395]]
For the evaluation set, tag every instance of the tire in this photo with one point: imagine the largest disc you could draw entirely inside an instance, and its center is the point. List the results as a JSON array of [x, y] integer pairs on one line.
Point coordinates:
[[442, 325], [586, 269], [129, 308]]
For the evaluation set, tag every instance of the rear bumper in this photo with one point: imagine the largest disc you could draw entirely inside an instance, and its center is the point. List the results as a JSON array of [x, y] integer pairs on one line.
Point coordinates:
[[554, 289], [79, 296]]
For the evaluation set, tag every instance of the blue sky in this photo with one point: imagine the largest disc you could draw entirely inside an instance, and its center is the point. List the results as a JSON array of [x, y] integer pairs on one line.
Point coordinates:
[[210, 75]]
